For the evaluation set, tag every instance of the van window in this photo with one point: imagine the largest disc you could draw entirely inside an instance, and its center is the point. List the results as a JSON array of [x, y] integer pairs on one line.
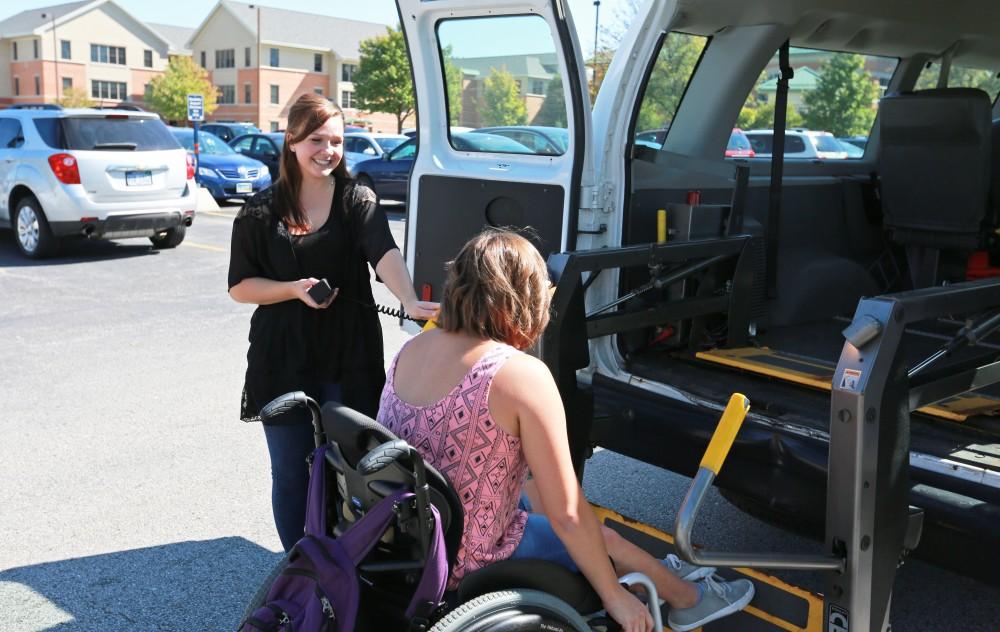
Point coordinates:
[[829, 92], [503, 82], [111, 132], [675, 64], [961, 77]]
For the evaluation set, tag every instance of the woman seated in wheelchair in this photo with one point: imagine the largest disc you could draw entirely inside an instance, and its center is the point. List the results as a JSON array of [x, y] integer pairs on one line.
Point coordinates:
[[484, 413]]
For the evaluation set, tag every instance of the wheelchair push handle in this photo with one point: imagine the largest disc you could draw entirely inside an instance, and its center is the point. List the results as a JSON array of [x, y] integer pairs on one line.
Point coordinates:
[[383, 455], [400, 451], [280, 405]]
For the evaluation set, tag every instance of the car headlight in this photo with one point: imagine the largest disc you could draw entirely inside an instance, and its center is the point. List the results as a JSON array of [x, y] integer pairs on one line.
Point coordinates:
[[205, 171], [263, 171]]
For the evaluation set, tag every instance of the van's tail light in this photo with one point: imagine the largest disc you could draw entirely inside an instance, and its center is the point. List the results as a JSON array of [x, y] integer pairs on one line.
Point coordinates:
[[190, 166], [65, 168]]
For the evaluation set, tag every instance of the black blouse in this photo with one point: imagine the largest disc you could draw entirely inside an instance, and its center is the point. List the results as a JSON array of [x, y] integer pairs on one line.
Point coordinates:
[[293, 346]]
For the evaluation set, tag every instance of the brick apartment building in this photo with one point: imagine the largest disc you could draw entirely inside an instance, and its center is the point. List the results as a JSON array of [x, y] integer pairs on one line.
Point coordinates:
[[98, 46]]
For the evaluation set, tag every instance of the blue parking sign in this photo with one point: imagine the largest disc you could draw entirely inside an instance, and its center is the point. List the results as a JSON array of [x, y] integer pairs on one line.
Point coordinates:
[[196, 107]]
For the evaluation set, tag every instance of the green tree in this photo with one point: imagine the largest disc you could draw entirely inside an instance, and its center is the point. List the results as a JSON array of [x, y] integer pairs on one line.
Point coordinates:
[[502, 102], [674, 67], [844, 99], [382, 82], [960, 77], [757, 113], [168, 92], [453, 81], [76, 98], [553, 110]]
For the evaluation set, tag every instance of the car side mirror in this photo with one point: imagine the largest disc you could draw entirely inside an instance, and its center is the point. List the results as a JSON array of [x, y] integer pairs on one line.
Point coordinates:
[[385, 157]]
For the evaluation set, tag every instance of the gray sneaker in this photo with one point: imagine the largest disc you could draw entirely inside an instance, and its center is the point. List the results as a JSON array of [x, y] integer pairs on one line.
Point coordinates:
[[719, 598], [686, 570]]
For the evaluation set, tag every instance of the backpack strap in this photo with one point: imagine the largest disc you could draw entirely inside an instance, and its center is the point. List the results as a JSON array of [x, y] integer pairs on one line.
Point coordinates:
[[316, 496]]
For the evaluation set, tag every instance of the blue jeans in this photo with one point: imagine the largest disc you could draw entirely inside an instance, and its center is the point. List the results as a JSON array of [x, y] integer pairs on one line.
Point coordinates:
[[540, 541], [289, 442]]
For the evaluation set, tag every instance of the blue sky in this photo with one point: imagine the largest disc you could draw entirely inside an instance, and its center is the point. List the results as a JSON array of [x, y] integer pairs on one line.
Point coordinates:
[[191, 12]]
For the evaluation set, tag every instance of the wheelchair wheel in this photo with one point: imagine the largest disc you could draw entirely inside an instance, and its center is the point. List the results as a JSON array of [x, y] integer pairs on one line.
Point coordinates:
[[260, 596], [510, 611]]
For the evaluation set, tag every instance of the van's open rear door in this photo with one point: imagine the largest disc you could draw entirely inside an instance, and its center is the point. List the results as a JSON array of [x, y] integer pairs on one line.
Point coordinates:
[[513, 66]]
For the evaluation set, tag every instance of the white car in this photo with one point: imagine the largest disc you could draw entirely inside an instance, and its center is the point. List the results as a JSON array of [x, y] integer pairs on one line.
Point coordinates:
[[799, 144], [360, 146], [92, 173]]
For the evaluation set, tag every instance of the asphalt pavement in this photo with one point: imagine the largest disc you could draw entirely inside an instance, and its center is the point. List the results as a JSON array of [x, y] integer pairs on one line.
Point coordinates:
[[133, 498]]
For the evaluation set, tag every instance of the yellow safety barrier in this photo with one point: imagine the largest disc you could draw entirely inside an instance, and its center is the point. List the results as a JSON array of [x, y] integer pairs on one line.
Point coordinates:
[[725, 433]]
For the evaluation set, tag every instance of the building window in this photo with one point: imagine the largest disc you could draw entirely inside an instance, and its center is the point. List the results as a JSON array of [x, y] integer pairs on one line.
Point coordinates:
[[246, 56], [227, 95], [274, 95], [15, 51], [202, 59], [274, 126], [318, 90], [17, 86], [38, 85], [108, 90], [274, 57], [537, 87], [66, 51], [67, 83], [107, 54], [347, 72], [147, 58], [34, 48], [347, 99], [225, 58], [247, 93], [318, 62]]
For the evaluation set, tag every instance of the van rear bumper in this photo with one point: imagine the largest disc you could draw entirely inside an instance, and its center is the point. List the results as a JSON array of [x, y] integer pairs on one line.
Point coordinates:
[[122, 226]]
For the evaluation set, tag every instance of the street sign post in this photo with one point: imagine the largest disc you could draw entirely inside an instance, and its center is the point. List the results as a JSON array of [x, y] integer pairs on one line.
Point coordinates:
[[196, 114]]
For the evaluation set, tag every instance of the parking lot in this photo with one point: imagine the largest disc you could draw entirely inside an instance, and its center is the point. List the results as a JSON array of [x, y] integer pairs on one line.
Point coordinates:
[[134, 498]]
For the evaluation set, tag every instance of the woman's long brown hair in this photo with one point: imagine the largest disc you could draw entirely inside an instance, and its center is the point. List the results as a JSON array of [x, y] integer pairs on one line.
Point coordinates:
[[307, 114]]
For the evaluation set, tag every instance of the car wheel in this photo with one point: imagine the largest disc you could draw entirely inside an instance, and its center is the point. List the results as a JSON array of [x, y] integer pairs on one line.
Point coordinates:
[[32, 231], [364, 180], [170, 238]]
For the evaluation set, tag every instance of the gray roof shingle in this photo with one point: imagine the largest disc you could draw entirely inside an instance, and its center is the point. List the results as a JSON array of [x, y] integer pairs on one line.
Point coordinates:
[[27, 21], [177, 36], [340, 35]]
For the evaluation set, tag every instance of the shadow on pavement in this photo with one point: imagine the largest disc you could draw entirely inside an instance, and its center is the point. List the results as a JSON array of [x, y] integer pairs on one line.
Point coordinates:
[[74, 251], [184, 586]]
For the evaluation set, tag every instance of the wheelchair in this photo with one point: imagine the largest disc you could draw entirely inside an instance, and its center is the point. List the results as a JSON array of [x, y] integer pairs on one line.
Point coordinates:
[[366, 463]]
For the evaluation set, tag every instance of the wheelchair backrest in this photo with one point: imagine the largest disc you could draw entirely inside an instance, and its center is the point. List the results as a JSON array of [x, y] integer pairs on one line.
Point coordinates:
[[352, 435]]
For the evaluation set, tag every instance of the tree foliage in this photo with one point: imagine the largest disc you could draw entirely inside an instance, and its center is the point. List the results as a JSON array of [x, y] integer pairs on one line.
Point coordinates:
[[960, 77], [453, 84], [553, 110], [168, 92], [674, 67], [844, 100], [757, 113], [502, 102], [76, 98], [382, 82]]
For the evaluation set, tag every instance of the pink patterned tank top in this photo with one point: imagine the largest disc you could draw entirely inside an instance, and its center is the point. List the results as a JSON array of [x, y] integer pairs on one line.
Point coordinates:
[[483, 462]]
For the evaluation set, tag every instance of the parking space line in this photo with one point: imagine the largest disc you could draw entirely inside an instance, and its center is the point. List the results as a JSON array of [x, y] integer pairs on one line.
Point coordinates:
[[204, 246], [217, 214]]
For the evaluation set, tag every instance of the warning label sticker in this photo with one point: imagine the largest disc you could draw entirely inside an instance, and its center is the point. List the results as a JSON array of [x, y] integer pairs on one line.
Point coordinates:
[[850, 380], [839, 620]]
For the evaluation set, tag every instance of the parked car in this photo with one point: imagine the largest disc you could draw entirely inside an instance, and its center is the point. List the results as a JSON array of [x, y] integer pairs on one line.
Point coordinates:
[[739, 145], [359, 146], [857, 141], [389, 175], [652, 138], [411, 132], [545, 141], [852, 150], [799, 144], [229, 131], [92, 173], [263, 147], [225, 173]]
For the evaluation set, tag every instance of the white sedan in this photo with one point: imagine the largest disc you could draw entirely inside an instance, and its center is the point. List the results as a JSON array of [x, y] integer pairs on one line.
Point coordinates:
[[360, 146]]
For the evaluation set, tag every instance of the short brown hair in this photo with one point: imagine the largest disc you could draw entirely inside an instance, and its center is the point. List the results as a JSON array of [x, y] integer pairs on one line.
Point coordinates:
[[308, 113], [497, 288]]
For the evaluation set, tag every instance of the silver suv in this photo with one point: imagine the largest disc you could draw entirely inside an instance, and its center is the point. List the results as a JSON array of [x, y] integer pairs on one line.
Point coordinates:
[[92, 173], [799, 144]]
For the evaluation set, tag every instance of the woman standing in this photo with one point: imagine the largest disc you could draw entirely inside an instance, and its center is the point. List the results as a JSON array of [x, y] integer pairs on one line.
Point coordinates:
[[314, 223]]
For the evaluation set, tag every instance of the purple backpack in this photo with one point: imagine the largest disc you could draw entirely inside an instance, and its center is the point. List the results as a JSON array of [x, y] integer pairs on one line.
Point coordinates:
[[319, 590]]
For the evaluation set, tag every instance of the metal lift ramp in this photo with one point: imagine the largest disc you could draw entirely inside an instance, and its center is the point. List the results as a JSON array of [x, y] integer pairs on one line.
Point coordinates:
[[869, 522]]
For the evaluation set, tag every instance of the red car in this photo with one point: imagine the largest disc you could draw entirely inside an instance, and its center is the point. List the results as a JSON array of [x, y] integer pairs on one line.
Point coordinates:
[[739, 145]]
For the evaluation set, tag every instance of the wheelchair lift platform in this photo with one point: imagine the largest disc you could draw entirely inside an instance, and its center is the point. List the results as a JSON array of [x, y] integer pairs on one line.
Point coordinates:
[[777, 605]]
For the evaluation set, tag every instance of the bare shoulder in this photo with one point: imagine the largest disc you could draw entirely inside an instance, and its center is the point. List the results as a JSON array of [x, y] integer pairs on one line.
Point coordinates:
[[522, 373]]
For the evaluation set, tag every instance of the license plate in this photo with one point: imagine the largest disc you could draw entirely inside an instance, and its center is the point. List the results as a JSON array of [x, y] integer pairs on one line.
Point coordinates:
[[244, 187], [138, 178]]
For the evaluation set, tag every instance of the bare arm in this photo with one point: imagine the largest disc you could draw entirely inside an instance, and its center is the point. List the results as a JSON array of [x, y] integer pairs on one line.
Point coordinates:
[[261, 291], [392, 270], [528, 386]]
